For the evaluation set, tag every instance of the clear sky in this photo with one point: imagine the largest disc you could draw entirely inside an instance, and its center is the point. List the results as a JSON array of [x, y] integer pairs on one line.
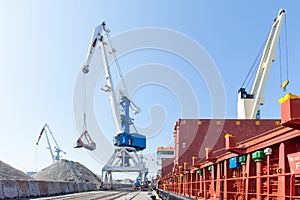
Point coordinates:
[[44, 43]]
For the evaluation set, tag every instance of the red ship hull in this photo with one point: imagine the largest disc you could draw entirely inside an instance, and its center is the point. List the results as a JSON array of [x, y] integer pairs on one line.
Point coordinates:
[[247, 159]]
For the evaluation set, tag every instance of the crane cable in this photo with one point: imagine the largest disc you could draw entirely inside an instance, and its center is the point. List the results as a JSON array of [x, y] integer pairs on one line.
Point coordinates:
[[253, 66], [36, 158], [84, 127], [286, 49]]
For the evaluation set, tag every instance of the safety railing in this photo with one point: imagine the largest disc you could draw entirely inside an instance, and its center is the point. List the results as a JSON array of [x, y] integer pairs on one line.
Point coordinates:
[[277, 186]]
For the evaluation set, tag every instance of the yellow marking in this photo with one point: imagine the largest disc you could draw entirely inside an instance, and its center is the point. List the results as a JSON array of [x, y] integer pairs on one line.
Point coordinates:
[[257, 123], [228, 135], [237, 123], [199, 122], [277, 123], [155, 194], [287, 97]]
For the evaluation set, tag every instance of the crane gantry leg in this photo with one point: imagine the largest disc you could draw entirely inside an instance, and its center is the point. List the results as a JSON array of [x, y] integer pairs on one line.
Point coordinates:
[[124, 159]]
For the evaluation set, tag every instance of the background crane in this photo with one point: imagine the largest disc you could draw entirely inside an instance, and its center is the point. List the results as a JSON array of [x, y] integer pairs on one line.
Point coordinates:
[[54, 153]]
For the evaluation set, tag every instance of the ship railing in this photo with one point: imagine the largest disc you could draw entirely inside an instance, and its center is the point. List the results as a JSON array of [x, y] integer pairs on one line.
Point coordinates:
[[247, 187]]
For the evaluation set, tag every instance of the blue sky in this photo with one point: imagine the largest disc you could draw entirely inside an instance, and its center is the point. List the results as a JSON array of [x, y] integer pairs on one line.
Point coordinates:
[[44, 43]]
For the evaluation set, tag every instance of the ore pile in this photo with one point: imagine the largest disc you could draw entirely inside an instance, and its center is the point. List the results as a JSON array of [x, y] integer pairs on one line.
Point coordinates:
[[65, 170], [7, 172]]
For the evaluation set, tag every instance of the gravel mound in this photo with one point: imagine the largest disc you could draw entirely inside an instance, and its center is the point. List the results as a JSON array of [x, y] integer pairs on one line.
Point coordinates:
[[126, 181], [7, 172], [65, 170]]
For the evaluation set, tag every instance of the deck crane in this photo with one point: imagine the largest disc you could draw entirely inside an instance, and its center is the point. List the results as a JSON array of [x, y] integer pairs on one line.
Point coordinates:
[[124, 158], [248, 104], [57, 149]]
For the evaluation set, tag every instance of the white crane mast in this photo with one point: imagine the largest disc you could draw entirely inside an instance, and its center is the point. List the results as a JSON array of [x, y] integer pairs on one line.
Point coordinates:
[[109, 87], [123, 91], [98, 36], [248, 104]]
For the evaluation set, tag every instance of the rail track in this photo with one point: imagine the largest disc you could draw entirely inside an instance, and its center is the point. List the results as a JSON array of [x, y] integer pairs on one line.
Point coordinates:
[[120, 194]]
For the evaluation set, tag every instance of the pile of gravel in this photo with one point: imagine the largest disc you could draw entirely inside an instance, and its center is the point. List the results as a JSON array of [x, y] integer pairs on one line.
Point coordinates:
[[126, 181], [7, 172], [65, 170]]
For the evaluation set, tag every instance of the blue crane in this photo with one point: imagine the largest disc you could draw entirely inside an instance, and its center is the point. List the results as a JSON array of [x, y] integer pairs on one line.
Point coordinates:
[[127, 141], [123, 121]]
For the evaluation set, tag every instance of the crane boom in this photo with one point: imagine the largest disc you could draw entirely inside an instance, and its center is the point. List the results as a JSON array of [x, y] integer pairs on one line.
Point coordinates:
[[97, 36], [110, 89], [248, 104], [123, 91]]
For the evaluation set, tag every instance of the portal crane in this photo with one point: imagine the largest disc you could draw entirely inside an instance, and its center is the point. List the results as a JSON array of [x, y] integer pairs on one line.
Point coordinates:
[[124, 158], [121, 115], [248, 104], [57, 149]]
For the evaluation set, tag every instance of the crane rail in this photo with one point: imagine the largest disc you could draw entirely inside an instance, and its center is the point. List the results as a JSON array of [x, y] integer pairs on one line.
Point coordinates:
[[120, 194]]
